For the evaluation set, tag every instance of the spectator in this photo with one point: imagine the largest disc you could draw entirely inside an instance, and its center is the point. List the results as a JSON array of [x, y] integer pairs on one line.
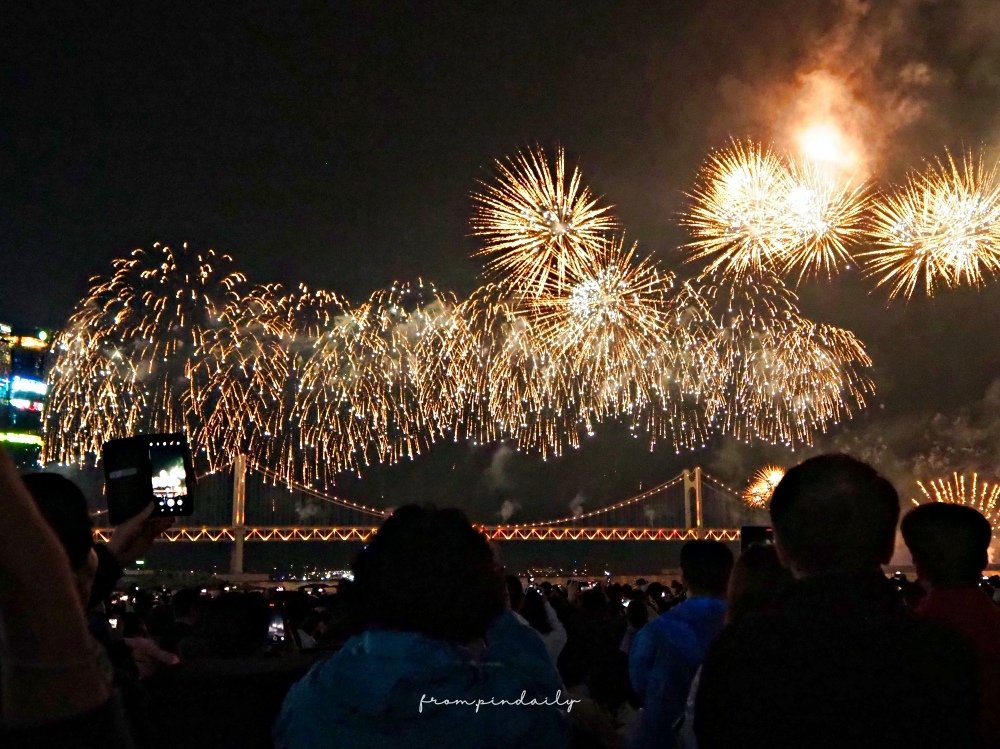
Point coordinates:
[[636, 616], [186, 605], [227, 690], [53, 689], [64, 507], [667, 652], [757, 585], [949, 544], [428, 588], [839, 662], [537, 612], [148, 656]]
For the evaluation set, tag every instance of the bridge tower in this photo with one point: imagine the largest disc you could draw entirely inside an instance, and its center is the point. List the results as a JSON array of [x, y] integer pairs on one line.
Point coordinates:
[[239, 513], [692, 493]]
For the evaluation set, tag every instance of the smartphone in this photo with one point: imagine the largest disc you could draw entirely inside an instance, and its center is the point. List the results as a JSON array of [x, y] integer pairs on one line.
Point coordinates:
[[280, 635], [276, 631], [755, 534], [148, 468]]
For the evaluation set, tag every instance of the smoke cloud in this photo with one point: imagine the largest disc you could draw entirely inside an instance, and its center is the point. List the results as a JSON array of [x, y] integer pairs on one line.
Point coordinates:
[[507, 510]]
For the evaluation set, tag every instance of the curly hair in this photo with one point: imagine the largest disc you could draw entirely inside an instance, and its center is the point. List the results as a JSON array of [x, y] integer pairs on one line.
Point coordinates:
[[428, 570]]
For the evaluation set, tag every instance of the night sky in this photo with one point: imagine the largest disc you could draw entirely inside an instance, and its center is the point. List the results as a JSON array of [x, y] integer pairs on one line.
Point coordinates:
[[336, 144]]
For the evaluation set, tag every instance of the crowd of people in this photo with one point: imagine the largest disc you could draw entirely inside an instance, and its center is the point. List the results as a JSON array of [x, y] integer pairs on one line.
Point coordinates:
[[804, 643]]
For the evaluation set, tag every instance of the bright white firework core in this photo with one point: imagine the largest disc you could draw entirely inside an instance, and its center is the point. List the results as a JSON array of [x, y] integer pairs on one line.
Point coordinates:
[[597, 299]]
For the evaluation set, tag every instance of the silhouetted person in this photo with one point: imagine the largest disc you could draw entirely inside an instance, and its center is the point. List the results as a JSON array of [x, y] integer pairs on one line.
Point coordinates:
[[757, 584], [227, 689], [666, 653], [840, 662], [429, 593], [949, 544], [184, 605], [64, 507], [541, 617]]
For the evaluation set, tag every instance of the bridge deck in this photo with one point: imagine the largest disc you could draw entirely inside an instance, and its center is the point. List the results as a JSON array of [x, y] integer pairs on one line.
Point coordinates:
[[495, 533]]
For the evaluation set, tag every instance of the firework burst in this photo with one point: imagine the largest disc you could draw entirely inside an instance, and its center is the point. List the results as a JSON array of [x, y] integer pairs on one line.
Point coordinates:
[[787, 377], [364, 386], [134, 355], [965, 490], [536, 223], [824, 215], [736, 216], [942, 227], [758, 493], [755, 212]]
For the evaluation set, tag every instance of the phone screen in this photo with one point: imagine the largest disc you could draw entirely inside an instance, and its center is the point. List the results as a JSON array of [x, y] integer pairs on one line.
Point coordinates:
[[755, 534], [276, 628], [169, 476]]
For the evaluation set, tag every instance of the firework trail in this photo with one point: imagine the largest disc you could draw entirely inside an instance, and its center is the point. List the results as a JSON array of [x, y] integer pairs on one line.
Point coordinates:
[[307, 314], [787, 377], [941, 227], [961, 489], [134, 355], [367, 389]]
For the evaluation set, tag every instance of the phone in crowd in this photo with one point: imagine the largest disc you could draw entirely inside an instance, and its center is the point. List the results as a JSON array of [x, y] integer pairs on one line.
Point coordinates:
[[755, 534], [276, 628], [280, 635], [148, 468], [115, 623]]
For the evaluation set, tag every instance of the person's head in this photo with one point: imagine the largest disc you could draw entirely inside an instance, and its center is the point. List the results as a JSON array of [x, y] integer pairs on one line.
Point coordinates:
[[428, 570], [185, 603], [637, 613], [949, 543], [833, 513], [758, 581], [133, 625], [515, 592], [64, 508], [234, 625], [705, 567], [533, 610]]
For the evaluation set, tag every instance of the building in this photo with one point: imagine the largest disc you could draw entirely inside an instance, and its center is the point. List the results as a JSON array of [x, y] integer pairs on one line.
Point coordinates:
[[23, 364]]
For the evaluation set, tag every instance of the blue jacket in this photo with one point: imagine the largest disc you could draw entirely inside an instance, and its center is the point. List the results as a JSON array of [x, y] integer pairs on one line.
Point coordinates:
[[376, 691], [663, 660]]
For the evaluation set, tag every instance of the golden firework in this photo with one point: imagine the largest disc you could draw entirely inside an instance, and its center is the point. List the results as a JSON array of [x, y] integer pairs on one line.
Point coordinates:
[[134, 356], [786, 377], [757, 494], [756, 212], [941, 227], [365, 384], [536, 223], [736, 217], [824, 214], [962, 489]]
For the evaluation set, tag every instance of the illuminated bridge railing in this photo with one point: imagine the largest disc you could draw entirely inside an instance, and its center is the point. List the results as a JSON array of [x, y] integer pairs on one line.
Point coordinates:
[[494, 533]]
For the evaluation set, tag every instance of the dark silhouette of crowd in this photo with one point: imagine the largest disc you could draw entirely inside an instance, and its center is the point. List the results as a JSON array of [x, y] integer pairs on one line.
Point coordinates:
[[803, 643]]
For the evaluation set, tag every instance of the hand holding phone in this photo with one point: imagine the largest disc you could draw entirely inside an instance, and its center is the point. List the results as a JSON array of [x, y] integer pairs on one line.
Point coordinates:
[[133, 538], [755, 534], [148, 469]]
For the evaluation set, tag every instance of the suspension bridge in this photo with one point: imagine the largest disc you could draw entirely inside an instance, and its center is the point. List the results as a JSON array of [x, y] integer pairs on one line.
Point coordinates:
[[250, 504]]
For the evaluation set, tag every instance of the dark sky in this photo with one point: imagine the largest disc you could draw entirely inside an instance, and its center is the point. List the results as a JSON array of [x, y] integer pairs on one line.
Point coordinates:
[[337, 144]]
